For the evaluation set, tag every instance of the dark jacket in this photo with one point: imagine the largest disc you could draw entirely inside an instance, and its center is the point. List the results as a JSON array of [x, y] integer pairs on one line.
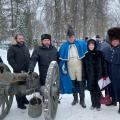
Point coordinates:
[[94, 68], [18, 57], [43, 56]]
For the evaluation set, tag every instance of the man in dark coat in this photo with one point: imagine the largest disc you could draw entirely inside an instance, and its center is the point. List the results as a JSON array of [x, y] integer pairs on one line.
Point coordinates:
[[43, 55], [114, 38], [18, 57]]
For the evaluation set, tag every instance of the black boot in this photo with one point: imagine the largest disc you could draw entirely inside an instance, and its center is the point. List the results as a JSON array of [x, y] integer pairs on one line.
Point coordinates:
[[82, 94], [75, 95], [82, 102], [21, 106], [75, 100]]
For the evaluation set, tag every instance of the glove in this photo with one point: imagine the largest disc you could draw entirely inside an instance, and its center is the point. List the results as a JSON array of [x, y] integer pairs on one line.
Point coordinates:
[[63, 70], [30, 72], [104, 78]]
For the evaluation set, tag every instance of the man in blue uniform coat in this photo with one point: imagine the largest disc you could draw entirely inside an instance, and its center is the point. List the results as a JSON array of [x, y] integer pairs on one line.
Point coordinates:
[[70, 54]]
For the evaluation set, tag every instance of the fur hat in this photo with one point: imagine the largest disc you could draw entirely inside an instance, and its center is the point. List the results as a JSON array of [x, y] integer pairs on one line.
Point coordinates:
[[114, 33], [45, 36], [70, 31]]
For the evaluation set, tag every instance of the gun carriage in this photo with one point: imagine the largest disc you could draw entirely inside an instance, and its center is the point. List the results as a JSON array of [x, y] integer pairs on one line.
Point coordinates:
[[25, 84]]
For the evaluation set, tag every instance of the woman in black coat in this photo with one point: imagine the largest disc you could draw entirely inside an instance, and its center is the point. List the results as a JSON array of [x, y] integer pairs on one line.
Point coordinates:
[[94, 68]]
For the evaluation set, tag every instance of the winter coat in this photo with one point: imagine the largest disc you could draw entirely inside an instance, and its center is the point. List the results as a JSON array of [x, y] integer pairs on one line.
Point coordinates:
[[114, 65], [64, 50], [18, 57], [43, 56], [94, 68]]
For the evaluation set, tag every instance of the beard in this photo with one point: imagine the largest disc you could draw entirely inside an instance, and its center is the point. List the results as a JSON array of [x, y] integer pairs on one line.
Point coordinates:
[[46, 45]]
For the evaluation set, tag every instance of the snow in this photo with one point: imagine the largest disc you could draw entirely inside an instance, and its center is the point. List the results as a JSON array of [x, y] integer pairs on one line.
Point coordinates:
[[65, 110]]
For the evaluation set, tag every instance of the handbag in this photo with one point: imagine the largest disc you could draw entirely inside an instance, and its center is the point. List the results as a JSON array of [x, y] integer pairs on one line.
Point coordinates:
[[105, 99]]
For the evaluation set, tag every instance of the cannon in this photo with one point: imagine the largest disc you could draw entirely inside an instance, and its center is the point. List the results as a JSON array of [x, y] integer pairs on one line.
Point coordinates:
[[25, 84]]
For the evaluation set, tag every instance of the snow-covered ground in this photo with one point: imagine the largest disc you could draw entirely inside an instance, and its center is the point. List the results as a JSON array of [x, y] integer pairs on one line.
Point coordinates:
[[65, 110]]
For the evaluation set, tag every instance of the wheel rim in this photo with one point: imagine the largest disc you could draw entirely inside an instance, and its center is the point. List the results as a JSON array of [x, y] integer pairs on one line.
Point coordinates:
[[51, 93]]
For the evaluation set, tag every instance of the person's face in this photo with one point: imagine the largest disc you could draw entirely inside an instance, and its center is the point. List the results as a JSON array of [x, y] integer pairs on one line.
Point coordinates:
[[91, 46], [20, 39], [115, 43], [71, 39], [46, 42]]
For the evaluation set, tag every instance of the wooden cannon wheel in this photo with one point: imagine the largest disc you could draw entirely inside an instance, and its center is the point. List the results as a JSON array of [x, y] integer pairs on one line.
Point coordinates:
[[5, 99], [51, 92]]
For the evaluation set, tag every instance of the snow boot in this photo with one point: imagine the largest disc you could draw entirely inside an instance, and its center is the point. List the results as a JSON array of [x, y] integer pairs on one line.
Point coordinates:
[[82, 103], [82, 94], [75, 94], [75, 100], [21, 106]]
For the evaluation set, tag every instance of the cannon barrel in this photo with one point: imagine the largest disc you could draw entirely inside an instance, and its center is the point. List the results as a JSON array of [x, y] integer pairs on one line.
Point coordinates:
[[13, 81]]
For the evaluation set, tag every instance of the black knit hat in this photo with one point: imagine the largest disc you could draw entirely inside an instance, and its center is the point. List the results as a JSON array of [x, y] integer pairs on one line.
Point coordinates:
[[114, 33], [70, 31], [45, 36], [97, 36]]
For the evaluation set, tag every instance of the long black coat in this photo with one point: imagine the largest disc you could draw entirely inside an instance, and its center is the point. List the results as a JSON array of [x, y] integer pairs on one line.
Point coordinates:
[[43, 56], [18, 57], [94, 68]]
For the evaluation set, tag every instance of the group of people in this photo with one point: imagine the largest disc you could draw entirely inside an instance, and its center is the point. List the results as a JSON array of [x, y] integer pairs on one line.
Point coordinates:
[[87, 63], [81, 61]]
